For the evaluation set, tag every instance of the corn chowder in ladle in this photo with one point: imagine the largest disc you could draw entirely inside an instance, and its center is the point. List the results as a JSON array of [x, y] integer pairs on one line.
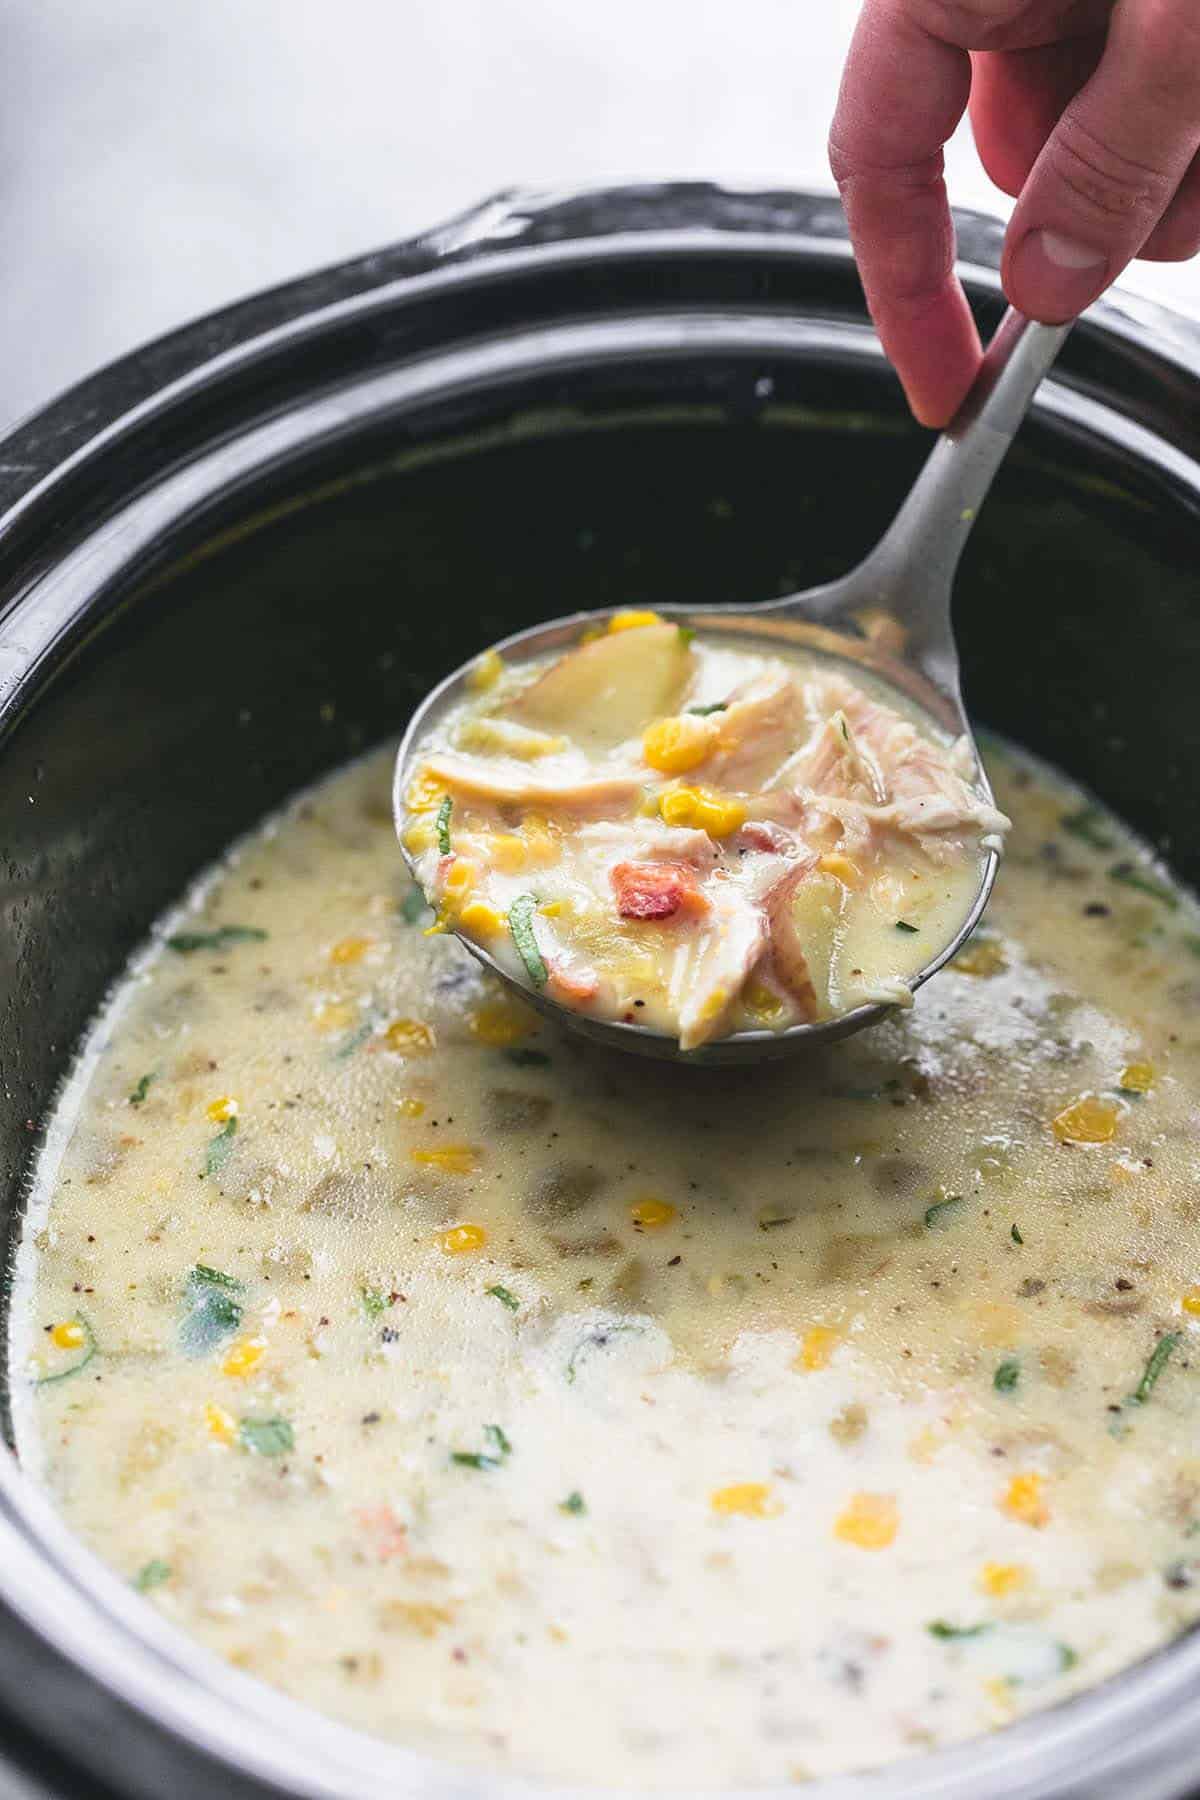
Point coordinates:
[[663, 829]]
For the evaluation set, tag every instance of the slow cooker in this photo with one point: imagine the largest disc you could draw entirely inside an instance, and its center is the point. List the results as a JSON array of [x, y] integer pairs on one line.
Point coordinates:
[[236, 557]]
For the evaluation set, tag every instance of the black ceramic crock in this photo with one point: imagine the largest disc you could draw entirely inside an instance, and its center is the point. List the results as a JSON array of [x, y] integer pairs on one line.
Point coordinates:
[[235, 558]]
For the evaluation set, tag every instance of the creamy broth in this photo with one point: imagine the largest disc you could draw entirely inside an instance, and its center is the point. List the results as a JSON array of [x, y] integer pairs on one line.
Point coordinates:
[[669, 829], [619, 1423]]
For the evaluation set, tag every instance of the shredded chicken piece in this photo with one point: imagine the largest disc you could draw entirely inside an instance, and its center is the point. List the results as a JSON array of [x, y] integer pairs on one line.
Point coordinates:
[[756, 733]]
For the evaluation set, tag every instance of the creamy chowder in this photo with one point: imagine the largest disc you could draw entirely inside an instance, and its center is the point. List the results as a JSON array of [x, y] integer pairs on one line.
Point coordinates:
[[631, 1424]]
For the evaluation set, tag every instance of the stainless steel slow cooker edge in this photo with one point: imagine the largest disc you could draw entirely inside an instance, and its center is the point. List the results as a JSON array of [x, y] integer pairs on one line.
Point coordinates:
[[100, 1695]]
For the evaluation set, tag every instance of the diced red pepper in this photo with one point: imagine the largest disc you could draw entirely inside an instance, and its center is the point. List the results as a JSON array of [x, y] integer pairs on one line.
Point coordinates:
[[656, 890]]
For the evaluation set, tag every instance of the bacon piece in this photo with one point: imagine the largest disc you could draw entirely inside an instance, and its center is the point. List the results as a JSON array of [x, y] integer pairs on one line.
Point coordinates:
[[572, 985], [656, 890]]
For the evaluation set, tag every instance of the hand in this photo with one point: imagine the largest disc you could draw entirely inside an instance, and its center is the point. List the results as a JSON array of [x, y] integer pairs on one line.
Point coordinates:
[[1088, 111]]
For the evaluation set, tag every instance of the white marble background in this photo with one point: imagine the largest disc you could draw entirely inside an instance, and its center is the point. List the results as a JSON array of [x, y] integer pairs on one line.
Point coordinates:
[[161, 157]]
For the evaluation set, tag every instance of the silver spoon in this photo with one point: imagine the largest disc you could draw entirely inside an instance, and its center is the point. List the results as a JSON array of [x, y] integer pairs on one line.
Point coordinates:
[[891, 614]]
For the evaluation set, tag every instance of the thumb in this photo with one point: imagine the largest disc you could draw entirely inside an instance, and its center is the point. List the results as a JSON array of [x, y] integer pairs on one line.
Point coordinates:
[[1111, 167]]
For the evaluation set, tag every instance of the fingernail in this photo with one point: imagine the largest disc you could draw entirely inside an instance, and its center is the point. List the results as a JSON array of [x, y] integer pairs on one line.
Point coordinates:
[[1054, 277]]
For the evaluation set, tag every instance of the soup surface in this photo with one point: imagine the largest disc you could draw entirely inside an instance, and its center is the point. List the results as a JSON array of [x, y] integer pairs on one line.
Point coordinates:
[[673, 830], [620, 1423]]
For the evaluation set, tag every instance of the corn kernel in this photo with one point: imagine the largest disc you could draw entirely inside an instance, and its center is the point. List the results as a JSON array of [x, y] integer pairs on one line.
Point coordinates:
[[842, 868], [819, 1344], [478, 919], [543, 841], [1022, 1500], [1088, 1120], [702, 809], [1137, 1078], [70, 1335], [998, 1579], [762, 1001], [675, 745], [451, 1159], [485, 671], [552, 909], [629, 618], [499, 1023], [409, 1037], [423, 793], [507, 851], [333, 1015], [869, 1521], [745, 1499], [462, 1238], [982, 958], [349, 950], [460, 878], [220, 1424], [1191, 1302], [243, 1356], [652, 1215], [224, 1108], [409, 1108], [420, 836]]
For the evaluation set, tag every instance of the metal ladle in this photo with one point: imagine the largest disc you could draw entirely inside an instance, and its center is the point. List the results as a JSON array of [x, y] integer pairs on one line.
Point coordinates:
[[891, 615]]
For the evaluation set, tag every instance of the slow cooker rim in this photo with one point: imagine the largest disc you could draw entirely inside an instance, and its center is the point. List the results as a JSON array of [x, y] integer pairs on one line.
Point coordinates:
[[482, 245], [953, 1762]]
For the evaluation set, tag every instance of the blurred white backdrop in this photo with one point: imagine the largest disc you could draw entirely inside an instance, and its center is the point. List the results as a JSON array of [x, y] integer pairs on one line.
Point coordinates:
[[161, 157]]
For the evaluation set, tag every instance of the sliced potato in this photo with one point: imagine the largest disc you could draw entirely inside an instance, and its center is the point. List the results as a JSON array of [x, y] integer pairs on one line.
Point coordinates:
[[611, 689], [816, 912]]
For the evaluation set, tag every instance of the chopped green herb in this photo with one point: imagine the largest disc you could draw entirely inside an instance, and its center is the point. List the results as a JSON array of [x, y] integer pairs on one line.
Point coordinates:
[[220, 1146], [686, 636], [1016, 1236], [89, 1348], [1156, 1362], [1132, 876], [373, 1302], [1084, 824], [138, 1093], [443, 825], [942, 1214], [202, 1274], [520, 925], [903, 925], [185, 942], [483, 1459], [574, 1503], [1067, 1658], [595, 1340], [1007, 1375], [152, 1575], [210, 1311], [505, 1298], [527, 1059], [702, 712], [413, 905], [354, 1040], [266, 1437], [948, 1633]]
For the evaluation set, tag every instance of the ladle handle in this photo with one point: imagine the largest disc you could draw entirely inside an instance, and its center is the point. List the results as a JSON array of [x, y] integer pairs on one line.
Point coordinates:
[[915, 560]]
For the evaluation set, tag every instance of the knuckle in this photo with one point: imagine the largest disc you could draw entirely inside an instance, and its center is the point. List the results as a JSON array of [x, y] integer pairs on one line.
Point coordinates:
[[1110, 186]]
